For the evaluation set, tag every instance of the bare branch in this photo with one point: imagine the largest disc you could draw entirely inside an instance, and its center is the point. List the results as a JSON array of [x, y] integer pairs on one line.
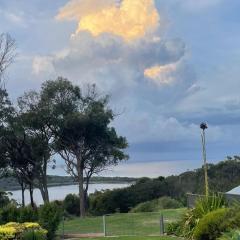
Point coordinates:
[[7, 53]]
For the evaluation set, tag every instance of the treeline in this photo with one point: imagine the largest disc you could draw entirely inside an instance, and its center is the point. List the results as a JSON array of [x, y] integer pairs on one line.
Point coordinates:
[[222, 177], [11, 183]]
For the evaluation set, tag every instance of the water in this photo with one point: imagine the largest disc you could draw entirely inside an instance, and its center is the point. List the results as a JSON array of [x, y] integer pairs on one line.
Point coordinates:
[[59, 192]]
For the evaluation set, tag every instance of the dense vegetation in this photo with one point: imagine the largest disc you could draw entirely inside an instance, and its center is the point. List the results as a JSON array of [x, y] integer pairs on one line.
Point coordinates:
[[211, 218], [223, 176], [49, 216]]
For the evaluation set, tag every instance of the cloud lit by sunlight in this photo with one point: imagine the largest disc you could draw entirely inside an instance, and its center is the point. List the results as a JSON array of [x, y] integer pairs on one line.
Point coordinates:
[[161, 74], [131, 20]]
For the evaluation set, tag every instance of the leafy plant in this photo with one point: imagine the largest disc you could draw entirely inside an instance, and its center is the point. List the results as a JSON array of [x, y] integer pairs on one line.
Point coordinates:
[[211, 225], [34, 234], [232, 235], [50, 217], [203, 206], [28, 214], [10, 213], [71, 204], [174, 228]]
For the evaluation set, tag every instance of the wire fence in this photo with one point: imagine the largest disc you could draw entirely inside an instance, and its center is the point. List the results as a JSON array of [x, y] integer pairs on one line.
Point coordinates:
[[134, 224], [121, 224]]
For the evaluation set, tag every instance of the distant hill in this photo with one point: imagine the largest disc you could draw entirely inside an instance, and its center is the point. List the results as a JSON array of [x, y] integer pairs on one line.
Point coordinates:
[[10, 183]]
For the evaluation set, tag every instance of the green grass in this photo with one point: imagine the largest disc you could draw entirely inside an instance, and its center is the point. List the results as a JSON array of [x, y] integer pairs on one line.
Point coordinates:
[[133, 238], [141, 224]]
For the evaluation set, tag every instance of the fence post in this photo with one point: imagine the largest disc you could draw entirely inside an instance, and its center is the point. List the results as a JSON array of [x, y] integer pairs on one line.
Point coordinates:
[[63, 230], [161, 225], [104, 226]]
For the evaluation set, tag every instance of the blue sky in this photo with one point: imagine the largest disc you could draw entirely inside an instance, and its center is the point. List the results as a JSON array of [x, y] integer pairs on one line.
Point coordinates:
[[167, 64]]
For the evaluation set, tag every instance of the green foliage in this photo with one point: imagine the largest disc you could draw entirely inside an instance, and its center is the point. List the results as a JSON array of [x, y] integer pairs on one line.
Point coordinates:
[[203, 206], [157, 204], [174, 228], [9, 213], [123, 200], [27, 214], [50, 216], [71, 204], [4, 199], [211, 225], [34, 235], [231, 235]]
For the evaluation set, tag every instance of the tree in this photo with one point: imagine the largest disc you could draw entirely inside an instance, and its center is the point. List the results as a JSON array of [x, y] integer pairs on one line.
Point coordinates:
[[82, 135], [6, 111], [18, 150], [36, 122], [7, 52]]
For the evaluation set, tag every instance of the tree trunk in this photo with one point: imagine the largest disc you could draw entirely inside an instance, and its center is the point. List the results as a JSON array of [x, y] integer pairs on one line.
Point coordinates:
[[31, 195], [44, 193], [43, 183], [23, 196], [81, 193]]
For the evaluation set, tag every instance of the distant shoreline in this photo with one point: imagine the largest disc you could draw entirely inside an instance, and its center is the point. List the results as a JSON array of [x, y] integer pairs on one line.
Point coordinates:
[[10, 184]]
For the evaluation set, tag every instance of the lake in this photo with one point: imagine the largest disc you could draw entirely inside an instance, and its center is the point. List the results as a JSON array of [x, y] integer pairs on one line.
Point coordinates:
[[59, 192]]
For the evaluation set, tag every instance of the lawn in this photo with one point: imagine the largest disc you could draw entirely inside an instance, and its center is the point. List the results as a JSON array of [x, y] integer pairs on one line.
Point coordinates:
[[133, 238], [140, 224]]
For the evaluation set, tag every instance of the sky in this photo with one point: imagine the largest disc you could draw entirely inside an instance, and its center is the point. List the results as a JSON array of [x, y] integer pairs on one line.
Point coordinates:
[[168, 65]]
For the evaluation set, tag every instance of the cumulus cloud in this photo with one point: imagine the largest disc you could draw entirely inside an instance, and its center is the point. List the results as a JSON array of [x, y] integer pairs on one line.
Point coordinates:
[[161, 75], [131, 20], [140, 71]]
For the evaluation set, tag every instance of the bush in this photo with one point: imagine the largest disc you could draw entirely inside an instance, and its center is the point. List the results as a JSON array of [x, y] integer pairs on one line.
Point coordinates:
[[203, 206], [232, 235], [24, 231], [211, 225], [71, 204], [157, 205], [34, 234], [174, 228], [27, 214], [10, 213], [50, 216]]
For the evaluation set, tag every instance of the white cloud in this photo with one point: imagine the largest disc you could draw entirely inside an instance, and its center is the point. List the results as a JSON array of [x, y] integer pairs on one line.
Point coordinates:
[[130, 20], [42, 65]]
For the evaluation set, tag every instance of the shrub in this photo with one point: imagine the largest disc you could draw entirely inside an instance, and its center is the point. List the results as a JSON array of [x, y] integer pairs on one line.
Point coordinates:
[[71, 204], [169, 203], [211, 225], [157, 205], [34, 234], [14, 230], [10, 213], [232, 235], [27, 214], [203, 206], [174, 228], [50, 217], [145, 207]]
